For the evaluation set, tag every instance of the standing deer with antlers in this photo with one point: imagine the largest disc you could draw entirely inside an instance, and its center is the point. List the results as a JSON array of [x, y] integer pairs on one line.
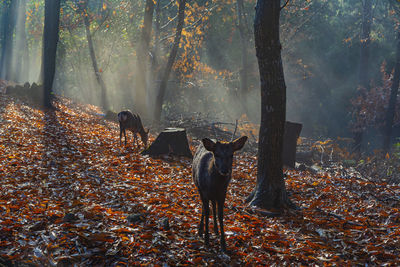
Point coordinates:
[[212, 171]]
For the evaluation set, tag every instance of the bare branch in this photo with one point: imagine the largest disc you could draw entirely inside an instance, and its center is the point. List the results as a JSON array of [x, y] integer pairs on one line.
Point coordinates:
[[287, 2], [234, 132]]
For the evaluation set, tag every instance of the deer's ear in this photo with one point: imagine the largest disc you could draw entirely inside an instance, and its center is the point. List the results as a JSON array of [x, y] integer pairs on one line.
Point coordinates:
[[209, 144], [239, 143]]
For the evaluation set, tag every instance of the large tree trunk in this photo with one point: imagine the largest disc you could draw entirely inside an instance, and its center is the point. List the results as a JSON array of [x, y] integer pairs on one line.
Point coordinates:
[[393, 99], [171, 61], [50, 40], [142, 59], [270, 192], [363, 80], [104, 102], [243, 41]]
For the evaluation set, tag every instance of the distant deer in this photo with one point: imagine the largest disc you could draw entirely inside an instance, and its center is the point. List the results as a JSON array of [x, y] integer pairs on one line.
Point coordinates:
[[212, 169], [132, 122]]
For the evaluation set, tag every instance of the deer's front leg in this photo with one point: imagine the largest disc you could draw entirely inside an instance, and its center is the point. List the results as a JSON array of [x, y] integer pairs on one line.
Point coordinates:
[[120, 136], [215, 217], [221, 224], [125, 136]]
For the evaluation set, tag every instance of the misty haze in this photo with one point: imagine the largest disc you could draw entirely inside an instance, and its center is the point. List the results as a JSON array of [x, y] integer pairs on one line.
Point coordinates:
[[177, 132]]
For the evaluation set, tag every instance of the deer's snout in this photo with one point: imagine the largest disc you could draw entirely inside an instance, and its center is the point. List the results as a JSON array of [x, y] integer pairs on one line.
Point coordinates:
[[225, 173], [223, 167]]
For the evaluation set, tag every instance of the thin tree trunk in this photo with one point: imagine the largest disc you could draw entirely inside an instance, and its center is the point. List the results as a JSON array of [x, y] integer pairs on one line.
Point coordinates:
[[50, 40], [363, 75], [156, 48], [363, 79], [40, 79], [243, 40], [9, 75], [143, 58], [21, 67], [270, 192], [155, 66], [393, 100], [171, 61], [4, 31], [104, 102], [7, 39]]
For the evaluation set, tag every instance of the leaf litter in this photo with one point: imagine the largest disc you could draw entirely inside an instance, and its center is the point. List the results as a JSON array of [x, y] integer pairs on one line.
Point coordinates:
[[71, 195]]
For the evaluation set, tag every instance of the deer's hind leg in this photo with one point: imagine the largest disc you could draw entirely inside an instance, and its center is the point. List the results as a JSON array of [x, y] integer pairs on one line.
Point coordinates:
[[120, 135], [206, 208], [201, 225]]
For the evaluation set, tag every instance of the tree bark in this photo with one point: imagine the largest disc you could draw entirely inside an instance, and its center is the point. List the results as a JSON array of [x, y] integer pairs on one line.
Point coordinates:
[[270, 192], [22, 64], [104, 102], [156, 47], [4, 31], [143, 58], [170, 141], [50, 41], [365, 41], [171, 61], [7, 39], [393, 100]]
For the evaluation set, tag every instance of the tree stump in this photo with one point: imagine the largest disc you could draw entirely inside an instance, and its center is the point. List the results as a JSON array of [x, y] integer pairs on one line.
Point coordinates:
[[170, 141], [291, 134]]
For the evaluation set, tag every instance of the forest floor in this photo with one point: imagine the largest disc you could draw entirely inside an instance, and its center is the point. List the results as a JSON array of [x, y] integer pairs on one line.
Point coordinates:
[[70, 194]]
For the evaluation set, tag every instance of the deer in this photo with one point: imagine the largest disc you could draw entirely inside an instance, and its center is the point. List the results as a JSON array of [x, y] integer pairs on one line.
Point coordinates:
[[211, 173], [131, 121]]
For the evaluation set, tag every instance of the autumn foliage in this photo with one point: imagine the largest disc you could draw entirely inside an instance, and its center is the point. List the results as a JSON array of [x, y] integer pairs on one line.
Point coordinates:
[[370, 106], [67, 189]]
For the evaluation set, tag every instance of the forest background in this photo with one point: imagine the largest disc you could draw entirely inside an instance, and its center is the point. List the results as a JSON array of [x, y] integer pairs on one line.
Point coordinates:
[[216, 71]]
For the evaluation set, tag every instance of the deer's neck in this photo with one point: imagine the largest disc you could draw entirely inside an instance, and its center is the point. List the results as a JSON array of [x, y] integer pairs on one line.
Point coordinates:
[[141, 130]]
